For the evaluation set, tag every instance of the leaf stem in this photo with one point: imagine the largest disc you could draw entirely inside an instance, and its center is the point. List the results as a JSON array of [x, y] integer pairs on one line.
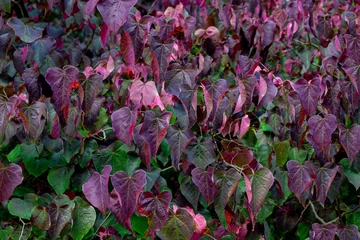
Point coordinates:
[[95, 233]]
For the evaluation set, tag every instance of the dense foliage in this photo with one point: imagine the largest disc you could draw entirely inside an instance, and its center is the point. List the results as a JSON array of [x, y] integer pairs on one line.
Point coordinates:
[[179, 119]]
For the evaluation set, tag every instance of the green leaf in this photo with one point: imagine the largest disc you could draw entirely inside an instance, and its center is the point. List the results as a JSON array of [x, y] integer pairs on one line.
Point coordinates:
[[40, 218], [298, 155], [180, 226], [281, 151], [190, 191], [71, 148], [6, 6], [59, 178], [261, 182], [83, 219], [24, 32], [265, 211], [15, 153], [30, 154], [139, 224], [303, 231], [20, 208], [352, 175], [90, 146], [263, 154]]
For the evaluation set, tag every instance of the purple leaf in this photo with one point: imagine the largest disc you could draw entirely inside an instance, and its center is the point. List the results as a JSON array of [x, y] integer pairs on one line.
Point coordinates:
[[142, 144], [127, 190], [201, 152], [177, 75], [166, 28], [42, 47], [213, 94], [204, 180], [309, 93], [322, 232], [350, 141], [247, 86], [124, 121], [156, 208], [350, 232], [154, 128], [11, 177], [188, 97], [30, 77], [24, 32], [352, 69], [268, 93], [269, 32], [89, 8], [96, 189], [138, 31], [300, 177], [178, 139], [144, 93], [91, 86], [61, 81], [127, 49], [261, 182], [115, 12], [31, 117], [353, 47], [324, 177], [321, 129]]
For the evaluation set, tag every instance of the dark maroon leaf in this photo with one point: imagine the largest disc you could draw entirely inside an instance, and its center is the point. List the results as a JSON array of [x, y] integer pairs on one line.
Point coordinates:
[[213, 94], [91, 86], [32, 84], [268, 93], [127, 190], [162, 52], [154, 128], [322, 232], [321, 129], [32, 119], [300, 177], [166, 28], [61, 82], [353, 47], [324, 177], [352, 69], [188, 97], [178, 140], [156, 208], [190, 191], [309, 93], [42, 47], [115, 12], [59, 217], [204, 180], [40, 218], [350, 232], [269, 33], [4, 44], [247, 86], [201, 152], [96, 189], [123, 121], [226, 184], [138, 31], [142, 144], [127, 49], [350, 141], [11, 177], [177, 75]]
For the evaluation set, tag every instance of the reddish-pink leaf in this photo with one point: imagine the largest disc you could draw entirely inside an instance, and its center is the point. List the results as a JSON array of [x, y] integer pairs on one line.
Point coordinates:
[[322, 232], [144, 93], [244, 126], [96, 189], [115, 12], [309, 93], [247, 86], [204, 180], [154, 128], [104, 35], [350, 141], [89, 8], [127, 49], [127, 190], [156, 208], [124, 121], [324, 177], [300, 177], [268, 29], [61, 82], [11, 177], [178, 139]]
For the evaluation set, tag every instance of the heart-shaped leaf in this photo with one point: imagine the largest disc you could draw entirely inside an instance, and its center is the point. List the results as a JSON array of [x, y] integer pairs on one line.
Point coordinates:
[[201, 153], [156, 208], [348, 232], [91, 86], [143, 93], [204, 180], [322, 232], [350, 141], [127, 49], [123, 123], [309, 93], [96, 189], [40, 218], [115, 12], [177, 75], [11, 178], [59, 178], [84, 217], [300, 177], [24, 32], [60, 215], [324, 177]]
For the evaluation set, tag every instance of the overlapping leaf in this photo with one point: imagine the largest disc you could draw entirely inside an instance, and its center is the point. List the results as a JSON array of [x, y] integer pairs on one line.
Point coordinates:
[[204, 180], [350, 141], [309, 93], [123, 121], [25, 33], [324, 177], [11, 177], [300, 177]]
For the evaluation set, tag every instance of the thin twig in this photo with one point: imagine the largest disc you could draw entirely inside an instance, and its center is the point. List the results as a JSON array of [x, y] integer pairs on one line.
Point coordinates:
[[302, 213], [318, 217], [22, 229], [95, 233]]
